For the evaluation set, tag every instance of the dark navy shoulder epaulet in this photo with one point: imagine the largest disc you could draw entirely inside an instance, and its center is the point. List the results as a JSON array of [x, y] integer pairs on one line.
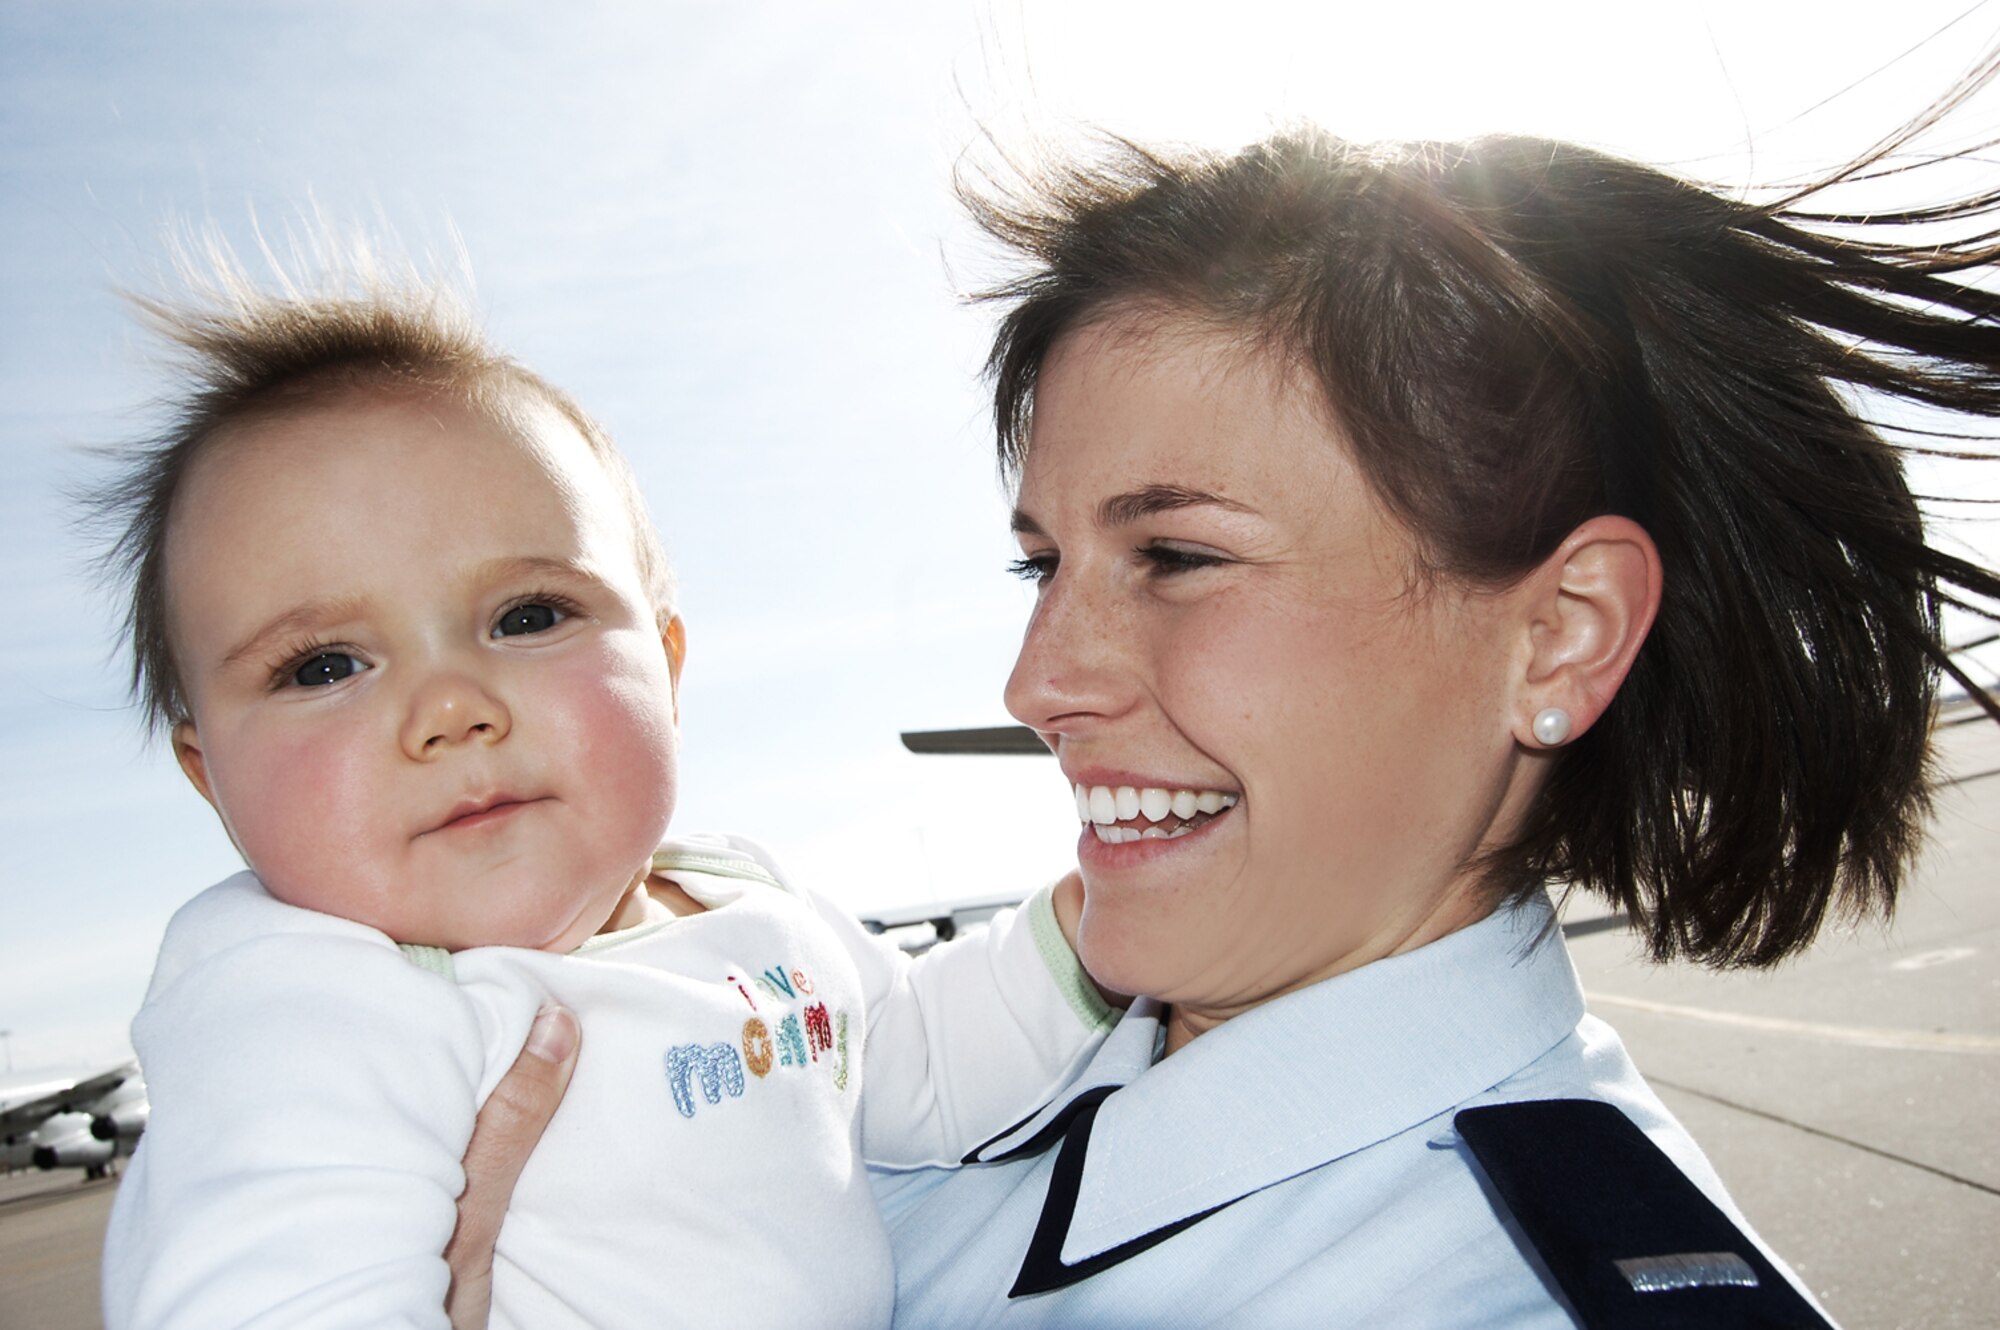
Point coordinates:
[[1632, 1242]]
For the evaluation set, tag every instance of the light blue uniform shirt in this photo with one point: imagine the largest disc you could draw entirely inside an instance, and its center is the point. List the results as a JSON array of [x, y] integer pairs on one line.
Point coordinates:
[[1295, 1166]]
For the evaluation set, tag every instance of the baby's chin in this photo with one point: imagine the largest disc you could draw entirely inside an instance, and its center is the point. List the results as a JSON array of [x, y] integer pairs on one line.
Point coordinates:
[[541, 920]]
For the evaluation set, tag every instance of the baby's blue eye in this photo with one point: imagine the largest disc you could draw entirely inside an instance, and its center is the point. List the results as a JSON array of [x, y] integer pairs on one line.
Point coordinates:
[[524, 619], [325, 668]]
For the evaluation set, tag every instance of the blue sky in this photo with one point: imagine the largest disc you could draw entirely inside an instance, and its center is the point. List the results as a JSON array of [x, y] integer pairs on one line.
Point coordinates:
[[728, 230]]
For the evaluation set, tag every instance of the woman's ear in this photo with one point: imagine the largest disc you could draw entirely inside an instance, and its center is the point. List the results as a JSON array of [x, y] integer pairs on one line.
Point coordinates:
[[1591, 604], [187, 751]]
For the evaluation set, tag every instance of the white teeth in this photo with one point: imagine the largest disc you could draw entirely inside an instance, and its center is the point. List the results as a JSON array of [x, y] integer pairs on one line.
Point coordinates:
[[1105, 805], [1153, 833]]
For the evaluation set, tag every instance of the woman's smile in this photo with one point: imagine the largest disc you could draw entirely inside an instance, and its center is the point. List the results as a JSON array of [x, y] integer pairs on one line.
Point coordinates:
[[1119, 814]]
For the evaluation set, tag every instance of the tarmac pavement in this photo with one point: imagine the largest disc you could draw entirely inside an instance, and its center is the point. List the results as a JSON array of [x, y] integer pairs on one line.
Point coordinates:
[[1848, 1098], [51, 1230]]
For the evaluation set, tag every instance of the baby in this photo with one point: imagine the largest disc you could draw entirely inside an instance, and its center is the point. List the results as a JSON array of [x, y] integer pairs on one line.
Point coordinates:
[[398, 600]]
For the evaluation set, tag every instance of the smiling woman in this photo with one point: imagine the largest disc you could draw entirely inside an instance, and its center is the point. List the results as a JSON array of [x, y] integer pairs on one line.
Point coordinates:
[[1466, 520], [1222, 601]]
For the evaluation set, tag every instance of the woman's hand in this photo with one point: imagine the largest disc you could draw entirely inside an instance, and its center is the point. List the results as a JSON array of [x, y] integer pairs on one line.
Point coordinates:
[[502, 1139]]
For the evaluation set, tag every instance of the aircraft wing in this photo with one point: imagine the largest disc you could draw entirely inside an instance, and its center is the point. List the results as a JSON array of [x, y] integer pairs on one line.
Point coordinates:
[[16, 1119], [996, 739]]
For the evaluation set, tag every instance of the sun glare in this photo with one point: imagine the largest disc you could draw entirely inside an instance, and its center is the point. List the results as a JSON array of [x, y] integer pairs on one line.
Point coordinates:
[[1733, 94]]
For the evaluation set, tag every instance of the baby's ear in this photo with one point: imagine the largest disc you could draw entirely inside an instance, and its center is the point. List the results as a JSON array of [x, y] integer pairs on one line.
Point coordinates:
[[673, 636], [187, 751], [1592, 602]]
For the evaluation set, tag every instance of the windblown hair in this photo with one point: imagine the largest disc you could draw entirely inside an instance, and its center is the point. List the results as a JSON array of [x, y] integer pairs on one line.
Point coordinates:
[[245, 352], [1515, 335]]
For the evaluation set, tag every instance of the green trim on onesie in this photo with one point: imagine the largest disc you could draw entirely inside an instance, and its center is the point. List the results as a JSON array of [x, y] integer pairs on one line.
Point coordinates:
[[1064, 967], [434, 959], [667, 858], [604, 941]]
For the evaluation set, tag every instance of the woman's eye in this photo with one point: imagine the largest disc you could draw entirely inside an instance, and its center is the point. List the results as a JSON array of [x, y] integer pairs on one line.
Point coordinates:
[[1175, 559], [326, 667], [525, 619], [1036, 568]]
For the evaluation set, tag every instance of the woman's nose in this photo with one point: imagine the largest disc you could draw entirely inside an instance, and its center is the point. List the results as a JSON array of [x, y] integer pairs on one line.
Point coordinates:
[[1067, 673], [452, 708]]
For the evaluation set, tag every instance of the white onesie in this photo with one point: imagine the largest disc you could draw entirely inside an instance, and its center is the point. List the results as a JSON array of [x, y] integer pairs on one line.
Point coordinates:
[[313, 1092]]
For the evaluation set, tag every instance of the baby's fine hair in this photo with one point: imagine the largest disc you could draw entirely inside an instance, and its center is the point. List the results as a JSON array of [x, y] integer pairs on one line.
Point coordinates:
[[1514, 335], [244, 351]]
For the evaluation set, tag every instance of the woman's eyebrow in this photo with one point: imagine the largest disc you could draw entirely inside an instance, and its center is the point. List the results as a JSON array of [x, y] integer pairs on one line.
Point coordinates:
[[1124, 509]]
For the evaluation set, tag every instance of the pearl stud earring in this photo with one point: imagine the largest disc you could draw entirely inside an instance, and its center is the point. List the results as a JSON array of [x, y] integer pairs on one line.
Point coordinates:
[[1551, 726]]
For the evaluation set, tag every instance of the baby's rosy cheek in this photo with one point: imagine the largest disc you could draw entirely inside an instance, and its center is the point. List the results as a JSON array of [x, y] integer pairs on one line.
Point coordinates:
[[626, 729], [298, 815]]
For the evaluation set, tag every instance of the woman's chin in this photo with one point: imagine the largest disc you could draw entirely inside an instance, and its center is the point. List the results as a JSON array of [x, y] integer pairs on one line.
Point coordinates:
[[1124, 953]]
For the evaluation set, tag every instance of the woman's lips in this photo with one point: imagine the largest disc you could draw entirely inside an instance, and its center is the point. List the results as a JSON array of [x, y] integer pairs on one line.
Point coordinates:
[[1094, 854], [1121, 814]]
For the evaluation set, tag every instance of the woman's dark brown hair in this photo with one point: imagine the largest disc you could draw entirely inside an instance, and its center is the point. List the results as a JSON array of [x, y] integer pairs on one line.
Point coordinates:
[[1516, 335]]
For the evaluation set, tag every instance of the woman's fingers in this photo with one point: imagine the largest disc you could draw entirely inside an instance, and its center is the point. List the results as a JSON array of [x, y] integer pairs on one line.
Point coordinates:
[[505, 1135]]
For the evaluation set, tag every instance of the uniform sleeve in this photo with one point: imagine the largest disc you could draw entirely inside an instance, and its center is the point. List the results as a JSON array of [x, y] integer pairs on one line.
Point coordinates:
[[312, 1095], [971, 1037]]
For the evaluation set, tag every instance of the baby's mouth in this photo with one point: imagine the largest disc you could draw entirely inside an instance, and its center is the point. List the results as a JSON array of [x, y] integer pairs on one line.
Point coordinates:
[[1116, 814], [477, 812]]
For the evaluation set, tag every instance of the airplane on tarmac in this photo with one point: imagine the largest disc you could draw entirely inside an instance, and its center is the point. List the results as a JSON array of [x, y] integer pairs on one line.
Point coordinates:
[[74, 1122]]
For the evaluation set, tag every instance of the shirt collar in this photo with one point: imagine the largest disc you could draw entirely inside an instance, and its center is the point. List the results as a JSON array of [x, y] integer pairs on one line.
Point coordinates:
[[1301, 1080]]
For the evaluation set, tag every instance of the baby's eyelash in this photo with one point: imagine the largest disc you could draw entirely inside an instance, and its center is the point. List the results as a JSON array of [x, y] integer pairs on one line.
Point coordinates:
[[561, 604], [553, 599], [284, 674]]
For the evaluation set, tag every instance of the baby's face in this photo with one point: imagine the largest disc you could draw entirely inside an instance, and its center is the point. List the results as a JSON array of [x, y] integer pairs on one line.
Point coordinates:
[[429, 690]]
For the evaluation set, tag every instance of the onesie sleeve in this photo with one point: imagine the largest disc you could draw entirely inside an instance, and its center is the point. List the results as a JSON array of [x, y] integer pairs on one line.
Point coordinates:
[[970, 1038], [312, 1096]]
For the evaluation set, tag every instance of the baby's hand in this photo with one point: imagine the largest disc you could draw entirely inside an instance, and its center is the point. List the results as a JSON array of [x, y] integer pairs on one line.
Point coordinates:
[[502, 1139]]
